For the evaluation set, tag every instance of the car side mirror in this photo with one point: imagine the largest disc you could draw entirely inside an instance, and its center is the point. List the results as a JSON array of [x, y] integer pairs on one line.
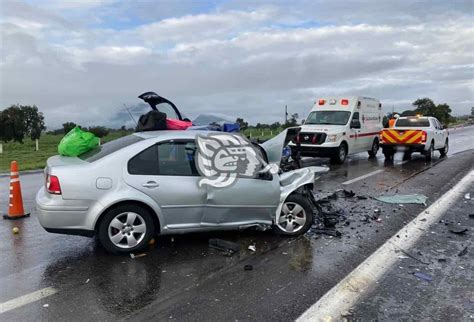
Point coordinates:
[[355, 124]]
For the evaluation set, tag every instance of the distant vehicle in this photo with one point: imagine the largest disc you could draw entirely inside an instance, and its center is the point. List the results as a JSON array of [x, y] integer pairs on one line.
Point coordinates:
[[127, 190], [415, 134], [338, 127]]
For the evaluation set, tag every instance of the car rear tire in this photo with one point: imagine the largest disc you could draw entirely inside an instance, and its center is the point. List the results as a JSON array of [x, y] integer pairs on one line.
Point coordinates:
[[126, 229], [430, 153], [340, 155], [375, 148], [296, 216], [444, 151]]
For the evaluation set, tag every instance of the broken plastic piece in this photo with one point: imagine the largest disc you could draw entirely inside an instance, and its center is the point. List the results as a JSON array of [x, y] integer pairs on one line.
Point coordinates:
[[423, 276], [224, 245], [458, 231], [404, 199], [252, 248], [133, 256], [463, 252], [467, 196]]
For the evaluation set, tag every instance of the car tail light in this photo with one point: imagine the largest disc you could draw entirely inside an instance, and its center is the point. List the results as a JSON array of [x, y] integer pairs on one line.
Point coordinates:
[[321, 102], [344, 101], [52, 185], [423, 137]]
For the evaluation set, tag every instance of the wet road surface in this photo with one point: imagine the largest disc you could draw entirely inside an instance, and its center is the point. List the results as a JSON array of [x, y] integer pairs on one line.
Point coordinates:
[[181, 278]]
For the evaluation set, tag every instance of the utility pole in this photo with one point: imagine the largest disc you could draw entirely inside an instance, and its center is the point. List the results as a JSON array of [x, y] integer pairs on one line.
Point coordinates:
[[286, 114]]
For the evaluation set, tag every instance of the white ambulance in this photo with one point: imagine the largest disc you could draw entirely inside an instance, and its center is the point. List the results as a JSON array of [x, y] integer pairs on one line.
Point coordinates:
[[340, 126]]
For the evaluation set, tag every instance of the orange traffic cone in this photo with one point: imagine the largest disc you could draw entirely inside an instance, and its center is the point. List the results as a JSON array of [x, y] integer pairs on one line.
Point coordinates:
[[15, 209]]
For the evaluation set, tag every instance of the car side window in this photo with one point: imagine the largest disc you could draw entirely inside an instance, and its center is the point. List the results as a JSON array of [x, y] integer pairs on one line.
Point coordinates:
[[145, 162], [176, 158]]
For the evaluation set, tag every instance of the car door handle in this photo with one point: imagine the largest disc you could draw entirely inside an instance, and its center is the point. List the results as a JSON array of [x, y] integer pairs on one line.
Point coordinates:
[[151, 184]]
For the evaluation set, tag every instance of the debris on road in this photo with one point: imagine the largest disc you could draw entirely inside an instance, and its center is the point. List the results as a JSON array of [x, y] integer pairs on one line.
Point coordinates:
[[463, 252], [88, 280], [248, 267], [458, 230], [328, 231], [467, 196], [252, 248], [16, 230], [471, 216], [46, 305], [133, 256], [404, 199], [423, 276], [228, 247]]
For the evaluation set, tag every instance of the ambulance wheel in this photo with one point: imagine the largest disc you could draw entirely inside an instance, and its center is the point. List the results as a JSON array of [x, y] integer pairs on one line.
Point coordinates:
[[375, 148], [340, 155]]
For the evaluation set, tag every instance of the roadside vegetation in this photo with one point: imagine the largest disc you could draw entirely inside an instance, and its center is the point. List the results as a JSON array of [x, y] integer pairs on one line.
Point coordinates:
[[22, 130]]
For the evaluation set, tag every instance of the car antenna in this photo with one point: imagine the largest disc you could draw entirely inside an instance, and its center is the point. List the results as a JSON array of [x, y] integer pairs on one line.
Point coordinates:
[[130, 114]]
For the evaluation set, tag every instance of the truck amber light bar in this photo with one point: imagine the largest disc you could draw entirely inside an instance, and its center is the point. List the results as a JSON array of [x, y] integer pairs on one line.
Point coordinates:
[[344, 101]]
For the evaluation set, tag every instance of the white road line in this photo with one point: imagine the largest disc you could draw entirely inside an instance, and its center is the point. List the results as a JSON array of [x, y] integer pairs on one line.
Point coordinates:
[[364, 277], [26, 299], [363, 177]]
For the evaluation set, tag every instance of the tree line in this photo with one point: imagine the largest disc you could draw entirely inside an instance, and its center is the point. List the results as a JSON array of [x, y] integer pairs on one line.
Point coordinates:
[[20, 121]]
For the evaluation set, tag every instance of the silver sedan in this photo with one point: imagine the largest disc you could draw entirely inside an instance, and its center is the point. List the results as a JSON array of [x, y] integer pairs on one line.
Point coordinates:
[[171, 182]]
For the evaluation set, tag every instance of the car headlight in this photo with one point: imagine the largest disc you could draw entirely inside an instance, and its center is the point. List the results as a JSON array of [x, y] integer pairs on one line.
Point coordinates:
[[332, 138]]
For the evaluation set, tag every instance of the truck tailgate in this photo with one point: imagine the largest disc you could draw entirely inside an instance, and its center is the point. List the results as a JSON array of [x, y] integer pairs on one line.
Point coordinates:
[[402, 136]]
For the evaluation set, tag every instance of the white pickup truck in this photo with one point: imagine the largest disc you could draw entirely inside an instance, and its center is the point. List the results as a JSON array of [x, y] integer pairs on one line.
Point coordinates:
[[415, 134]]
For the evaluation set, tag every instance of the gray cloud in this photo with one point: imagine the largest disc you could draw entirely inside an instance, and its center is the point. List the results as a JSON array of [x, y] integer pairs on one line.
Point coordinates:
[[238, 59]]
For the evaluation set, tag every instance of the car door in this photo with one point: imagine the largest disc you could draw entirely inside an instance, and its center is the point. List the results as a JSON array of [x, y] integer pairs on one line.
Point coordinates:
[[248, 200], [167, 173]]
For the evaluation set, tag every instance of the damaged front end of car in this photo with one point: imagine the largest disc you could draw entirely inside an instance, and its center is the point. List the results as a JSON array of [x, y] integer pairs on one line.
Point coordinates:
[[296, 187]]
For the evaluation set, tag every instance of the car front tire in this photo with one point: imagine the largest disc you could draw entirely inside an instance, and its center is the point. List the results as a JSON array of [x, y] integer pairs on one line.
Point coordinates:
[[126, 228], [296, 216]]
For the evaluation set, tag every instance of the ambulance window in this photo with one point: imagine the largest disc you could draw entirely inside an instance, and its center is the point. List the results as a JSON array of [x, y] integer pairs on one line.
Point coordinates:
[[355, 116]]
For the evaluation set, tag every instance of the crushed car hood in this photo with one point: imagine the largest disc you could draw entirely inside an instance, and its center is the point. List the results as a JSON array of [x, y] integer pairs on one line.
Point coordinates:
[[274, 147]]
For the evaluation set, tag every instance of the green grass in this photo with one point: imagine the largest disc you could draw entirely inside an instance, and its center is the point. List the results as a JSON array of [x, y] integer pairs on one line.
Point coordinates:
[[29, 159]]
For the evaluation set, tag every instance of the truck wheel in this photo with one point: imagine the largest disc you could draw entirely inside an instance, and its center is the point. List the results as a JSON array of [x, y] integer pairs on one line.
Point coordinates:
[[388, 154], [430, 153], [126, 228], [444, 151], [340, 155], [375, 148], [296, 216]]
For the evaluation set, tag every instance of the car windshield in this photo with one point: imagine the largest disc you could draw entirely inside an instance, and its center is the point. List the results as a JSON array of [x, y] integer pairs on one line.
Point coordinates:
[[413, 122], [109, 147], [328, 117]]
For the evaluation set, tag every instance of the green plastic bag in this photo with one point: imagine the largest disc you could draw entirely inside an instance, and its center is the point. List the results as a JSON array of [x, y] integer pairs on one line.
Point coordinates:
[[76, 142]]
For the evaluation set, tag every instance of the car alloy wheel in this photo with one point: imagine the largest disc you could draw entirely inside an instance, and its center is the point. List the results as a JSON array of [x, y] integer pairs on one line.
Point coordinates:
[[127, 230], [292, 217]]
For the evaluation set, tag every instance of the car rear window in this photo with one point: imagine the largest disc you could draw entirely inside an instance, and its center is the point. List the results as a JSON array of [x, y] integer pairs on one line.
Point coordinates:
[[413, 122], [109, 147]]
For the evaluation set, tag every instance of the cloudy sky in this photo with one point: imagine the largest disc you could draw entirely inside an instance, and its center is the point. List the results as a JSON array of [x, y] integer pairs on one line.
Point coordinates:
[[81, 60]]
